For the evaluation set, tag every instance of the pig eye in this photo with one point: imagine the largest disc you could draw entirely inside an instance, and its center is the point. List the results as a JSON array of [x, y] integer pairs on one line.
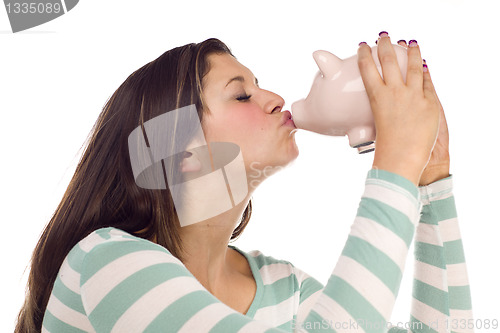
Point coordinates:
[[243, 97]]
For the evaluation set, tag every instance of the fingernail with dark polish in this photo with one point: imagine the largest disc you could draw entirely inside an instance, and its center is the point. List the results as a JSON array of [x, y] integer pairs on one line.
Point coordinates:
[[401, 40], [362, 43], [383, 34], [376, 42], [425, 68], [412, 43]]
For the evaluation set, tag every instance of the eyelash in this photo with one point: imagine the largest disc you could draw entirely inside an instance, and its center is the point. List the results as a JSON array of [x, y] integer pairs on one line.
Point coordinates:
[[243, 97]]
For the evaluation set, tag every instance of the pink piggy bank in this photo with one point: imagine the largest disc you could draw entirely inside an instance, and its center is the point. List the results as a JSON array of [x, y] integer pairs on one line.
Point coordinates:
[[338, 104]]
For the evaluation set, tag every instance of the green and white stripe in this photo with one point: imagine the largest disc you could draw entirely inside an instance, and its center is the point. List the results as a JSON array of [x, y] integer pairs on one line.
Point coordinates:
[[114, 282], [441, 295]]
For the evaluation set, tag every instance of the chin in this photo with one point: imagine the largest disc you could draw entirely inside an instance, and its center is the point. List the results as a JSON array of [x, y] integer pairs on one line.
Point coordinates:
[[291, 155]]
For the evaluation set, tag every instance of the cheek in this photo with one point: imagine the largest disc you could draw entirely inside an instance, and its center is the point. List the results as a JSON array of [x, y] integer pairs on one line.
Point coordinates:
[[250, 130], [250, 122], [254, 134], [239, 127]]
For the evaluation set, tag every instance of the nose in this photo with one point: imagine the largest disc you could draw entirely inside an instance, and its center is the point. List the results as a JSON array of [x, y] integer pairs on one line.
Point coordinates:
[[274, 102]]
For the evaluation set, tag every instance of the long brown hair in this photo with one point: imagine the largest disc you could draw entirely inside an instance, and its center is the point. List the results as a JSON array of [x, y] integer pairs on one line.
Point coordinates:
[[102, 192]]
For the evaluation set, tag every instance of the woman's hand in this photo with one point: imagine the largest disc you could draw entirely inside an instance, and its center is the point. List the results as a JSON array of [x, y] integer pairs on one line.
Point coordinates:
[[406, 114], [439, 163]]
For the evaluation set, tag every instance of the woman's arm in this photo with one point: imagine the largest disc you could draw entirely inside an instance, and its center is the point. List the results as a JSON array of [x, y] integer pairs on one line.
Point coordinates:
[[363, 287], [441, 295], [440, 270]]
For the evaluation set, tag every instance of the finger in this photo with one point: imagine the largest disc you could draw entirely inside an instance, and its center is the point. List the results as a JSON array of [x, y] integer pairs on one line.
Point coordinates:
[[428, 86], [369, 73], [430, 91], [388, 60], [402, 42], [414, 74]]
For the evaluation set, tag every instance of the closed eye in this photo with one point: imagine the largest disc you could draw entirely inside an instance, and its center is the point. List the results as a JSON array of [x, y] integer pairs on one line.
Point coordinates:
[[243, 97]]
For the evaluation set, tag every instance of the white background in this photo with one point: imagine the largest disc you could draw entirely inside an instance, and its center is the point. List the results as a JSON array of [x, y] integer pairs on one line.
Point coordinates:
[[55, 79]]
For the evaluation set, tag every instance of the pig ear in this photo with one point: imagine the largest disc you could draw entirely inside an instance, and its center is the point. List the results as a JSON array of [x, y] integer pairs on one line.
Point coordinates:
[[328, 63]]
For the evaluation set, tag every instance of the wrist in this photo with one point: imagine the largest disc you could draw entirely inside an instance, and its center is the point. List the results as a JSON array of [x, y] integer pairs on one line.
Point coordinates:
[[440, 189], [401, 170], [434, 173], [398, 166], [400, 181]]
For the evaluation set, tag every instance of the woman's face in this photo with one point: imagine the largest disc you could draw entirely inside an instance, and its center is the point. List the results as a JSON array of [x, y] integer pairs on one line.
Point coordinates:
[[242, 113]]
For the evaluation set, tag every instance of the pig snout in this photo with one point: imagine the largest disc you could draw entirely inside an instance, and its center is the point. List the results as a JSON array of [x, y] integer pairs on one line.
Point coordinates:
[[298, 110]]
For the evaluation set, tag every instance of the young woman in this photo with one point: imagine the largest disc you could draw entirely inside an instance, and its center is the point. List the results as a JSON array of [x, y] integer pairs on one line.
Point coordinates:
[[115, 257]]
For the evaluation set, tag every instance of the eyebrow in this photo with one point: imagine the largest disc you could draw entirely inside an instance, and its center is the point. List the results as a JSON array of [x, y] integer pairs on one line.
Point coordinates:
[[241, 79]]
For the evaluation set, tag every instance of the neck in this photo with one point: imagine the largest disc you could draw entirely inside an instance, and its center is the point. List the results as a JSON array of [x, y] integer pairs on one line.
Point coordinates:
[[206, 254]]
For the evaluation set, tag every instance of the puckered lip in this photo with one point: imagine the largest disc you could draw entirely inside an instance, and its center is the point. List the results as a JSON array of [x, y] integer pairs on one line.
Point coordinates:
[[285, 116]]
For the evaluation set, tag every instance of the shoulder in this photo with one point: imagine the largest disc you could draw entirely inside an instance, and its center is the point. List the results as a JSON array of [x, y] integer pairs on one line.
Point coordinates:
[[265, 261], [272, 269], [261, 261], [107, 250], [282, 272], [112, 238]]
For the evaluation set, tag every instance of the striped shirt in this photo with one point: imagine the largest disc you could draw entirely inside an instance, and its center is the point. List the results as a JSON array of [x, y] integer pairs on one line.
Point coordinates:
[[112, 281]]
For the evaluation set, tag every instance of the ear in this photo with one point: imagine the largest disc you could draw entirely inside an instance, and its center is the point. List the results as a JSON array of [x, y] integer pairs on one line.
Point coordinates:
[[190, 163], [328, 63]]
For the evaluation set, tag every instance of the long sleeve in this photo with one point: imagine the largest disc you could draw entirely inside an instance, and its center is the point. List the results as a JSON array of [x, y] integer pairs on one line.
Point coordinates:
[[115, 282], [441, 293], [361, 292], [441, 299]]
